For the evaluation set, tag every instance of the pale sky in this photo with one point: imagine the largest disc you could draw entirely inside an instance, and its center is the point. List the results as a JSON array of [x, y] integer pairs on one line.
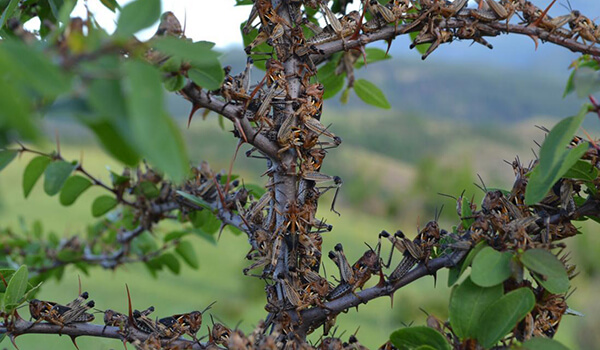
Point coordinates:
[[212, 20]]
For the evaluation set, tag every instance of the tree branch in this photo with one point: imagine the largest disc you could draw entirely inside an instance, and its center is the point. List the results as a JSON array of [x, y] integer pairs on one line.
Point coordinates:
[[315, 317], [21, 327], [487, 29], [232, 112]]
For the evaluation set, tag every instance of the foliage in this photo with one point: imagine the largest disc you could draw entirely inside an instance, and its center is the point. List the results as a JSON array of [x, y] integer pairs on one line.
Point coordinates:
[[515, 293]]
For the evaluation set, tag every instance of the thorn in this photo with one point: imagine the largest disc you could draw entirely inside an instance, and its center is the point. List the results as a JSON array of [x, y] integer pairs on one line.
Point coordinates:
[[389, 42], [130, 308], [12, 340], [195, 107], [73, 337], [535, 40], [79, 278], [392, 300]]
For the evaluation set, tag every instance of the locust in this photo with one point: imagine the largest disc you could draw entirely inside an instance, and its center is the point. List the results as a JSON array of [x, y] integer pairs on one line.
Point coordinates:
[[337, 28], [182, 324], [355, 276], [62, 315]]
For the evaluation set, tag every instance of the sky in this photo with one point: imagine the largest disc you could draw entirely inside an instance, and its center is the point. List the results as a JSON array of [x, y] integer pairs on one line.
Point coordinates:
[[218, 20], [212, 20]]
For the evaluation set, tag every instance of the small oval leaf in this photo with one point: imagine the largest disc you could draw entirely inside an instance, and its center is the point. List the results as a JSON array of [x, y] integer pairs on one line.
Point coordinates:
[[103, 205], [503, 315], [186, 251], [371, 94], [468, 302], [55, 176], [208, 77], [555, 158], [490, 267], [137, 15], [6, 157], [150, 122], [171, 262], [414, 337], [552, 273], [16, 289], [73, 188], [33, 171]]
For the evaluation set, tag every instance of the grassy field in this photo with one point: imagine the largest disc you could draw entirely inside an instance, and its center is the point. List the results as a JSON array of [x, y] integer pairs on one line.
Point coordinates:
[[364, 214]]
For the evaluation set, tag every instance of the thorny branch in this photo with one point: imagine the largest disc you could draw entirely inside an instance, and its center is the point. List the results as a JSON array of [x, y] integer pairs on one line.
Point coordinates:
[[486, 29], [281, 118], [21, 327]]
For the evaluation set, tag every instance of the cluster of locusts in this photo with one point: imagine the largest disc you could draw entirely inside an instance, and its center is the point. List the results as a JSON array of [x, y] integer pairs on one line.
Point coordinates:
[[503, 221], [285, 108], [425, 15]]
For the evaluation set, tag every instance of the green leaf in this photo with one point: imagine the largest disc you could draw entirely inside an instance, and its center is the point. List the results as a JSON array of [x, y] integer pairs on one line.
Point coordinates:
[[15, 112], [34, 68], [415, 337], [586, 81], [503, 315], [207, 77], [149, 190], [198, 201], [205, 220], [16, 289], [114, 143], [582, 170], [136, 16], [73, 188], [554, 276], [371, 94], [538, 343], [570, 87], [110, 4], [33, 171], [555, 158], [150, 122], [457, 271], [171, 262], [175, 82], [332, 82], [491, 267], [210, 238], [198, 54], [175, 235], [373, 55], [68, 255], [186, 251], [8, 11], [467, 303], [103, 205], [55, 176], [6, 157]]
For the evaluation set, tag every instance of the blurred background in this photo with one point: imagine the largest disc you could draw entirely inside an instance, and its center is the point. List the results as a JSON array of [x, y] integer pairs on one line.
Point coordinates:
[[460, 113]]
